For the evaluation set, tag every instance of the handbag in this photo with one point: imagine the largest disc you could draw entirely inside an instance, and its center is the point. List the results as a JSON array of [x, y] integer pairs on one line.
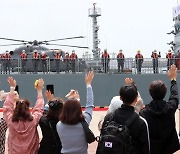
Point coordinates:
[[56, 149], [88, 133], [53, 133]]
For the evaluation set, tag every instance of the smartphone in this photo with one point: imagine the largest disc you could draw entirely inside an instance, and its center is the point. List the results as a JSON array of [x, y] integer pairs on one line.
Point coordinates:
[[50, 88]]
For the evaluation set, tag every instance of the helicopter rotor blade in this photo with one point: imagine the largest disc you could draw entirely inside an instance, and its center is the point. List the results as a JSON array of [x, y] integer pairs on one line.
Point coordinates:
[[13, 44], [12, 39], [68, 38], [68, 46]]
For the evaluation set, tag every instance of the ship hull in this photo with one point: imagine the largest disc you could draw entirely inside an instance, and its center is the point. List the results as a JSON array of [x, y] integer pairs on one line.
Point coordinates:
[[105, 86]]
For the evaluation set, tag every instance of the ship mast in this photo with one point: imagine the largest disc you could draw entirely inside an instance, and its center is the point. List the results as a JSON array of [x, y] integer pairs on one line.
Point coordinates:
[[176, 32], [94, 13]]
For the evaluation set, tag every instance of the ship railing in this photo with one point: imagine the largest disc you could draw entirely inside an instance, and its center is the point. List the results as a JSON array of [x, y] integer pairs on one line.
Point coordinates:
[[84, 64]]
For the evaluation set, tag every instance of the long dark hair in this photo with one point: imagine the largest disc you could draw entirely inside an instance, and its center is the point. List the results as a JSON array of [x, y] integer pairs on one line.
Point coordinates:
[[21, 111], [71, 112], [55, 108]]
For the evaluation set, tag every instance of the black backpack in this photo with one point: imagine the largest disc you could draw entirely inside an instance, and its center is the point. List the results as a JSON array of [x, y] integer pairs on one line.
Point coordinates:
[[115, 138]]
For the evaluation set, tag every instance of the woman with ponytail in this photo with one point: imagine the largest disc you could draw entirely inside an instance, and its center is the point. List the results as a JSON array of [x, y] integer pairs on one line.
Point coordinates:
[[23, 135]]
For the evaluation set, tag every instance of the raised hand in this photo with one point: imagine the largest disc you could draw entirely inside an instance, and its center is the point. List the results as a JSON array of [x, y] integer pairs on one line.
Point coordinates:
[[172, 73], [12, 84], [129, 81], [73, 94], [40, 84], [11, 81], [89, 77]]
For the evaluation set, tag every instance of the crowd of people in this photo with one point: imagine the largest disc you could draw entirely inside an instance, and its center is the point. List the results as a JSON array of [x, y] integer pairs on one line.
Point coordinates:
[[139, 59], [41, 61], [128, 127]]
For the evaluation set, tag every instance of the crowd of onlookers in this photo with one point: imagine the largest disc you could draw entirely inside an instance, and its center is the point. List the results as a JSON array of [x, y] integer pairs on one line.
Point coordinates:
[[61, 61], [128, 127]]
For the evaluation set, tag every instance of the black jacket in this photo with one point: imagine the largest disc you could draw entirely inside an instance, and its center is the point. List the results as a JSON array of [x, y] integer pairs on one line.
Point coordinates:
[[48, 145], [138, 128], [160, 116]]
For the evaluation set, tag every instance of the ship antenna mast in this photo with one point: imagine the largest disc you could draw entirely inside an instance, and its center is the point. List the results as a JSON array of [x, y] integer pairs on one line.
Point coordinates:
[[94, 13]]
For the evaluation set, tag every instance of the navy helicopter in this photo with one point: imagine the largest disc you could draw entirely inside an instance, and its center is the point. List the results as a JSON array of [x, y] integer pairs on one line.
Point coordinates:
[[30, 46]]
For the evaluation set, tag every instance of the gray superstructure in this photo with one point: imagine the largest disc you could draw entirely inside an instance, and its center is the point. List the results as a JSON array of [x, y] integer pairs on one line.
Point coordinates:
[[94, 13], [176, 32]]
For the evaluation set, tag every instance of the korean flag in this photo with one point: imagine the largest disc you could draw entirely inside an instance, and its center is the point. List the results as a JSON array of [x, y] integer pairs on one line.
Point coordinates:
[[108, 144]]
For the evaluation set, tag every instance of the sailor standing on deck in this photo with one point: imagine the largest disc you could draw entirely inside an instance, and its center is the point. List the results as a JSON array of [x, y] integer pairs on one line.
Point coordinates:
[[170, 58], [57, 60], [67, 62], [7, 62], [35, 61], [2, 63], [105, 58], [43, 57], [155, 57], [120, 60], [139, 60], [23, 61], [73, 58], [177, 60]]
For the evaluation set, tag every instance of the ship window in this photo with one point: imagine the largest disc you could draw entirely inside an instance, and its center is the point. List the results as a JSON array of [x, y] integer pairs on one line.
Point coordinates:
[[17, 88], [50, 87]]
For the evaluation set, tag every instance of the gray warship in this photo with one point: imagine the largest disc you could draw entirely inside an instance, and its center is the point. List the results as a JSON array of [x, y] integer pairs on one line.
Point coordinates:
[[105, 85]]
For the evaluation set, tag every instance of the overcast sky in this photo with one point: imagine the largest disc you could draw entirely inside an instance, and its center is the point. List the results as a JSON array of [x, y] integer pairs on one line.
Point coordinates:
[[125, 24]]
